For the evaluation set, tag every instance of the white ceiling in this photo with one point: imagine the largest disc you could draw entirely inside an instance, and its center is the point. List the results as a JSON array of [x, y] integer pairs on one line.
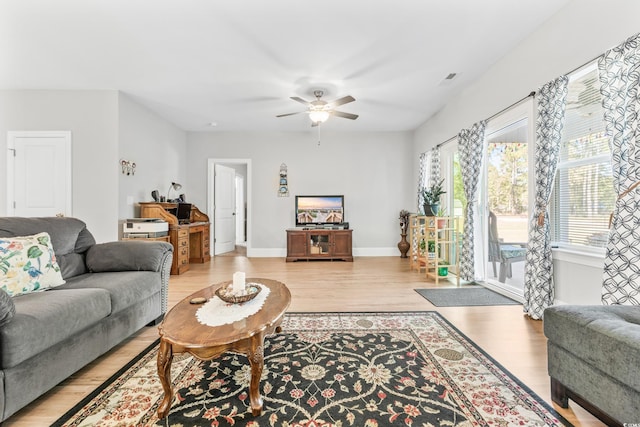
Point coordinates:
[[237, 62]]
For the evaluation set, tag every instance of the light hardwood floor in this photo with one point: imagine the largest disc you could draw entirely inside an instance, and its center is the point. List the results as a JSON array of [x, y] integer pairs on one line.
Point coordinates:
[[368, 284]]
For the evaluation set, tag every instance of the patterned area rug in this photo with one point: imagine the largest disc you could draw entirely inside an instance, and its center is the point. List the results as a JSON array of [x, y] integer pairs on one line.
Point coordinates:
[[329, 369]]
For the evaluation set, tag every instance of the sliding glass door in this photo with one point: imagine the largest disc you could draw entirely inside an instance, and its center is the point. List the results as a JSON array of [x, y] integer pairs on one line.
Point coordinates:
[[506, 194]]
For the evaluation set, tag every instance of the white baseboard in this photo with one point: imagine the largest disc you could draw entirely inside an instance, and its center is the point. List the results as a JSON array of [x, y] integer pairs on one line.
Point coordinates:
[[282, 252]]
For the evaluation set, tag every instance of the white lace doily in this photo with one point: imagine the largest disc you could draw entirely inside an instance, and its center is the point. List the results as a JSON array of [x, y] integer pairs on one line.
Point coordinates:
[[216, 312]]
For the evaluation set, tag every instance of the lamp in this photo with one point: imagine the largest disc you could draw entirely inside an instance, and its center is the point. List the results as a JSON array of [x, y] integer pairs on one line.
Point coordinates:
[[174, 186], [318, 116]]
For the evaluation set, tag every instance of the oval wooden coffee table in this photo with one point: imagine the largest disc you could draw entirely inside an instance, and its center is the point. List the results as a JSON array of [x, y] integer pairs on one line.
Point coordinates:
[[181, 332]]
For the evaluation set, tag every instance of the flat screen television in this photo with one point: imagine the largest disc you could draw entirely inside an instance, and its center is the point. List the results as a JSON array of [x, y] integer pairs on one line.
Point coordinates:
[[319, 210]]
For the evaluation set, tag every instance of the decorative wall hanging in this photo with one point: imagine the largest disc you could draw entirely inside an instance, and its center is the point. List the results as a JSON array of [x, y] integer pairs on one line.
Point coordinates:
[[283, 187], [128, 167]]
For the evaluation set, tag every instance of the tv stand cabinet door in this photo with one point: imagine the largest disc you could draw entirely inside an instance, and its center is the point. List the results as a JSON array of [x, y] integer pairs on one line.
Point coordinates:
[[297, 242], [342, 245]]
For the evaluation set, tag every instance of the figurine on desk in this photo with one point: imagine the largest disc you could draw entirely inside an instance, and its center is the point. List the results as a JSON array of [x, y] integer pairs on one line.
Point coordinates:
[[188, 231]]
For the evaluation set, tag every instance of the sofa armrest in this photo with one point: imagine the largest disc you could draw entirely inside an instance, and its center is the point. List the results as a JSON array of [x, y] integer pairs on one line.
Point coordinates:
[[134, 256], [128, 256]]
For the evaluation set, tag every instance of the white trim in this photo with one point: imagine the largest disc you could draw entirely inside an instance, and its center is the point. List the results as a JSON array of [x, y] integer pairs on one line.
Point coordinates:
[[362, 252], [392, 251], [590, 259]]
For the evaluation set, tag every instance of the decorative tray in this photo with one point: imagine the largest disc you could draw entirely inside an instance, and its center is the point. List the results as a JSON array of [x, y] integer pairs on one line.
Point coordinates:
[[225, 293]]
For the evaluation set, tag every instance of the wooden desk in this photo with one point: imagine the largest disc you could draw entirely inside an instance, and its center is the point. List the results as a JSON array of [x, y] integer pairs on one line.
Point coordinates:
[[190, 241]]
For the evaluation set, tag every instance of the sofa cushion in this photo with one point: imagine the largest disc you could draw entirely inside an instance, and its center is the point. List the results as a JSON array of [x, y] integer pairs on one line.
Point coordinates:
[[69, 236], [606, 337], [7, 308], [44, 319], [125, 288], [28, 264]]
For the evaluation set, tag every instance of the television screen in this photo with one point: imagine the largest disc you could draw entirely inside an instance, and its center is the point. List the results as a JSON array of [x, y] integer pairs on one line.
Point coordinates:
[[317, 210]]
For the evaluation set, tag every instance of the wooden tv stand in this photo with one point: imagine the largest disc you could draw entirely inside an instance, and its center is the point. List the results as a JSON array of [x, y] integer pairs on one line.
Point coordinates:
[[308, 244], [190, 241]]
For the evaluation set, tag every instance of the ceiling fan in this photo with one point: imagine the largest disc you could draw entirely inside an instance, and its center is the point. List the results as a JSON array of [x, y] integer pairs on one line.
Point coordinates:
[[320, 110]]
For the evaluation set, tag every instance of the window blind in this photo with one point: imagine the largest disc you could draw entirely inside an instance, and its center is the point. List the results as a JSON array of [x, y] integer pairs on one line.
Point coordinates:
[[583, 193]]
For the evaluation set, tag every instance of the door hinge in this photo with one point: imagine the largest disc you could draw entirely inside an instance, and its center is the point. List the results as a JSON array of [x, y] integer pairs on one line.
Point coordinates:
[[14, 151], [14, 204]]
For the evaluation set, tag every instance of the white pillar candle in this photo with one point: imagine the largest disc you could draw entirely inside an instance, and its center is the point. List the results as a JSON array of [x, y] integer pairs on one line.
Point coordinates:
[[238, 282]]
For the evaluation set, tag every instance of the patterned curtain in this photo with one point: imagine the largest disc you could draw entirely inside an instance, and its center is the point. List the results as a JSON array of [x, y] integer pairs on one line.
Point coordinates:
[[422, 174], [435, 164], [430, 159], [470, 143], [620, 78], [538, 276]]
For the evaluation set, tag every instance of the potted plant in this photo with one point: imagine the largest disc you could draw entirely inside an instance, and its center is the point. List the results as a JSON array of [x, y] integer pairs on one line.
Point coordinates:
[[442, 213], [431, 197], [431, 248]]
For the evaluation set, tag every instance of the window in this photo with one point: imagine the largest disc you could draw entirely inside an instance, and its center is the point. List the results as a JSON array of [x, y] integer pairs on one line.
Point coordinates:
[[583, 195]]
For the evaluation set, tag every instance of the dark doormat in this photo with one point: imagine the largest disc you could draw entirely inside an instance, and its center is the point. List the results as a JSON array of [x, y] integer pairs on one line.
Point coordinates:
[[464, 296]]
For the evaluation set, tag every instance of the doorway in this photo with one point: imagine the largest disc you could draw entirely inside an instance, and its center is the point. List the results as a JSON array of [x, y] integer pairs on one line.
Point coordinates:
[[228, 204], [507, 197]]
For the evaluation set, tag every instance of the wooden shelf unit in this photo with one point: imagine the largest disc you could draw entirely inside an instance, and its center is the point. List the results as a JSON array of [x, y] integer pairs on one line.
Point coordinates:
[[441, 233], [190, 241], [319, 244]]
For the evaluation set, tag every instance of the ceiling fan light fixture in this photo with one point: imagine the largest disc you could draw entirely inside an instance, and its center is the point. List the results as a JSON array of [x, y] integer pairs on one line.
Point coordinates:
[[319, 116]]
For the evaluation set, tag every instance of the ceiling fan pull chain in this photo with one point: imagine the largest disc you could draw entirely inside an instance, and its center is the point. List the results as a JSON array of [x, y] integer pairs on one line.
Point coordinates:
[[318, 135]]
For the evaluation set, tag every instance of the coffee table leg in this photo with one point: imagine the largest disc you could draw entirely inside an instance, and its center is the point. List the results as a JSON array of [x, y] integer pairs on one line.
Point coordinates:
[[165, 357], [256, 360]]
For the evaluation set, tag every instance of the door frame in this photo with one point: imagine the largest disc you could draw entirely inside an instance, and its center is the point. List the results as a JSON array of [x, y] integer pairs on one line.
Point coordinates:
[[10, 176], [211, 196], [524, 110]]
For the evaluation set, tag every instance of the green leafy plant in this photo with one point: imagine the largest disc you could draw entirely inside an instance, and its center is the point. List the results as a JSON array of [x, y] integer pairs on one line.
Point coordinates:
[[432, 194]]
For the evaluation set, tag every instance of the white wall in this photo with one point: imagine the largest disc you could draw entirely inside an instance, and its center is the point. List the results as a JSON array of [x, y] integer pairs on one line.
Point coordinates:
[[159, 150], [372, 170], [581, 31], [91, 116]]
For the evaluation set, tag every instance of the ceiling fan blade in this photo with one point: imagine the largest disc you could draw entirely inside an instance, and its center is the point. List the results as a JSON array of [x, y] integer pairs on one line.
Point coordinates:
[[345, 115], [300, 100], [342, 101], [290, 114], [314, 124]]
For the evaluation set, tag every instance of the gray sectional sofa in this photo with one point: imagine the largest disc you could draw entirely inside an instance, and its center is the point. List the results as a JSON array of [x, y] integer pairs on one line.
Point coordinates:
[[112, 290], [594, 359]]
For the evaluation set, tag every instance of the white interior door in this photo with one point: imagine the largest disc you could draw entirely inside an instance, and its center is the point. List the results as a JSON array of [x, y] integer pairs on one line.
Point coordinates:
[[225, 205], [39, 173], [240, 220]]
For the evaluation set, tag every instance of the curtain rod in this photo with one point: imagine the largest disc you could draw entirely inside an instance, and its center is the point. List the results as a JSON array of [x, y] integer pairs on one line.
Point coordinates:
[[585, 64], [532, 94], [494, 115]]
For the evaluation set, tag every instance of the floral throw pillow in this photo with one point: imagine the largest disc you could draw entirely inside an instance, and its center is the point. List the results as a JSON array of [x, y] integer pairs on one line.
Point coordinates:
[[28, 264]]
